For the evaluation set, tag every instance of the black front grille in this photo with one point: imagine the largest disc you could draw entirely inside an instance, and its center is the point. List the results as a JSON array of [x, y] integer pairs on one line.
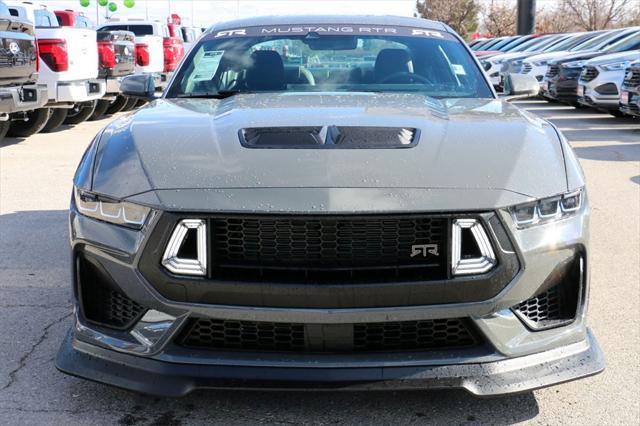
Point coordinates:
[[329, 249], [589, 73], [246, 335], [526, 68], [438, 334], [571, 73], [552, 71], [632, 78], [428, 334]]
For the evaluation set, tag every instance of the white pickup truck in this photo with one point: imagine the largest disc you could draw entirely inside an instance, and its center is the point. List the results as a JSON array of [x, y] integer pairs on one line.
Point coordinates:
[[150, 39], [68, 65]]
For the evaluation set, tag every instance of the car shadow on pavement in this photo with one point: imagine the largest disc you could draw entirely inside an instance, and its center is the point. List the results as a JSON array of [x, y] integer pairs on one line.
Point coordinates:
[[326, 407], [10, 141], [619, 152]]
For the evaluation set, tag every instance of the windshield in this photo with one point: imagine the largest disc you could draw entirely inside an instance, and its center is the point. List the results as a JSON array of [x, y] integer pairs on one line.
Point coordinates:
[[529, 43], [392, 59], [553, 41], [594, 43], [629, 43], [537, 44], [569, 42], [514, 44], [492, 43], [503, 43]]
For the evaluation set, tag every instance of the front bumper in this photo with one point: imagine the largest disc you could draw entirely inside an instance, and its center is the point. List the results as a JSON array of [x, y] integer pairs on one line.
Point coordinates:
[[22, 98], [632, 107], [511, 357], [591, 95], [167, 379], [562, 90], [538, 71]]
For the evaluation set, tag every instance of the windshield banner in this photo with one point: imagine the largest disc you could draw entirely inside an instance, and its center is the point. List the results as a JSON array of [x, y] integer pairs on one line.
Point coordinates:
[[333, 29]]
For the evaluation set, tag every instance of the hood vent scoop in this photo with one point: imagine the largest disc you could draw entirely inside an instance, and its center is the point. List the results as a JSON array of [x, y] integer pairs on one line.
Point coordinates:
[[327, 137]]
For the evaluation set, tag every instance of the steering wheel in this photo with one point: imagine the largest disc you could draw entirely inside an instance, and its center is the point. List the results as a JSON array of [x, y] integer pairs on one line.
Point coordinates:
[[405, 77]]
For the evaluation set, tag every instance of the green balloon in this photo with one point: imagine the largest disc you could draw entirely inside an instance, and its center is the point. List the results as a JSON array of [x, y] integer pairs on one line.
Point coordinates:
[[85, 3], [129, 3], [103, 2], [113, 7]]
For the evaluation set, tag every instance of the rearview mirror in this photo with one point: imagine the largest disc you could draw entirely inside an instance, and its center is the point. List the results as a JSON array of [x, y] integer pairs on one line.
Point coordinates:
[[520, 86], [141, 86]]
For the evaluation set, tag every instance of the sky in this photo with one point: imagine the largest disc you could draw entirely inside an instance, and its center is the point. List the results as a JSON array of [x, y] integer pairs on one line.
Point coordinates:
[[207, 12]]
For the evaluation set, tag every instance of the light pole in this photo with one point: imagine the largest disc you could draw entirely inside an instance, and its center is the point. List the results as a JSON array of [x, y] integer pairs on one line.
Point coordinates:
[[526, 16]]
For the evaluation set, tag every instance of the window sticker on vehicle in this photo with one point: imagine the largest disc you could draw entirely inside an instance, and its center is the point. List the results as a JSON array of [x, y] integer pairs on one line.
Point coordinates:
[[208, 65], [332, 29], [458, 69]]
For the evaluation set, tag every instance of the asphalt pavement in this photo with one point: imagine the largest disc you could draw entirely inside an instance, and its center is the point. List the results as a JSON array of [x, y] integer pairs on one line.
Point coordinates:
[[35, 307]]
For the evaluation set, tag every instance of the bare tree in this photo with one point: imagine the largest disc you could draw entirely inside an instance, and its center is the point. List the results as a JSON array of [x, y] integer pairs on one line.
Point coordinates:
[[461, 15], [633, 18], [554, 20], [499, 18], [593, 15]]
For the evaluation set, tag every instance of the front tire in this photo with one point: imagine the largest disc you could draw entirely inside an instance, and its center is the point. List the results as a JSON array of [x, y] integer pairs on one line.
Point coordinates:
[[617, 113], [36, 120], [80, 112], [4, 128], [117, 105], [131, 103], [56, 119], [100, 110]]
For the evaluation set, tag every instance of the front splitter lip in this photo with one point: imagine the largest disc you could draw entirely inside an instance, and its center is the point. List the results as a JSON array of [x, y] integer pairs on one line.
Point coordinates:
[[512, 375]]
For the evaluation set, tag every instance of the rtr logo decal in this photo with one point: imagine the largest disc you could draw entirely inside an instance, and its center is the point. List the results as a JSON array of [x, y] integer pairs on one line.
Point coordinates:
[[424, 250], [14, 48], [227, 33], [418, 32]]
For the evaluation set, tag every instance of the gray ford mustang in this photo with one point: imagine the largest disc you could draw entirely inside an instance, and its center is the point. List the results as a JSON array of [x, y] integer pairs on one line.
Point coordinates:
[[330, 203]]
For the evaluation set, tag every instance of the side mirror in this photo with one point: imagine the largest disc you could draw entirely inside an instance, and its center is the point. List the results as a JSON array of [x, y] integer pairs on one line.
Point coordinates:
[[520, 86], [140, 86]]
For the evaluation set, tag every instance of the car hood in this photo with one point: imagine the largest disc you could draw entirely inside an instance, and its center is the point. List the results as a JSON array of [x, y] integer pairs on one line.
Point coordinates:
[[614, 57], [464, 144], [547, 56], [505, 56], [576, 56]]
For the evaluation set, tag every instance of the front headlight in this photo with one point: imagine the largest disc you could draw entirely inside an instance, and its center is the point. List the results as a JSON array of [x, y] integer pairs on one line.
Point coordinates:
[[540, 63], [574, 64], [117, 212], [547, 209], [616, 66]]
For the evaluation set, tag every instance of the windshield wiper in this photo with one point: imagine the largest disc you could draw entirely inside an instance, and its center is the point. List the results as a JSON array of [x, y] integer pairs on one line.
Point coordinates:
[[222, 94]]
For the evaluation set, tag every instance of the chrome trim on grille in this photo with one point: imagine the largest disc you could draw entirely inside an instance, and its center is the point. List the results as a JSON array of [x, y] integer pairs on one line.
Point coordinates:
[[182, 266], [476, 265]]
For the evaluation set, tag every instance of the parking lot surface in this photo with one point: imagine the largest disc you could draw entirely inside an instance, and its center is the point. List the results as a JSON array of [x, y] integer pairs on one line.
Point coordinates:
[[35, 185]]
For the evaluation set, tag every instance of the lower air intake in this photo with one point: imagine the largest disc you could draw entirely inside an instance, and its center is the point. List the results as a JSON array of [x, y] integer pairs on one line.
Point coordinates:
[[439, 334], [101, 302], [556, 306]]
